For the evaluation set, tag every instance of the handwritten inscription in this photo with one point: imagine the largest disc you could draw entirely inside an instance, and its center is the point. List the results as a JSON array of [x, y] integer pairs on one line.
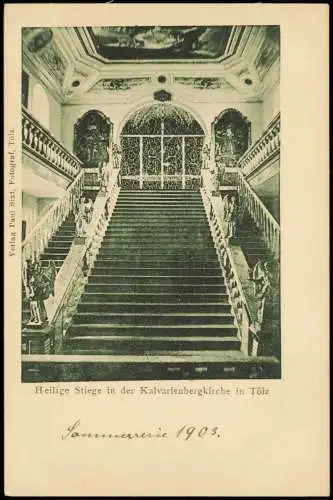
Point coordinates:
[[185, 433]]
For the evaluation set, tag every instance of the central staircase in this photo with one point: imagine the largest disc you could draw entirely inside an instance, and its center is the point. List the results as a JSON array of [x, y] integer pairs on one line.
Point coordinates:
[[156, 288]]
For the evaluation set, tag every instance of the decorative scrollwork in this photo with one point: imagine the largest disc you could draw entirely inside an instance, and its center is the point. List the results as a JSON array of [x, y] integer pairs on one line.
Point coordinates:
[[192, 182], [193, 148], [172, 183], [130, 164], [151, 185], [127, 183]]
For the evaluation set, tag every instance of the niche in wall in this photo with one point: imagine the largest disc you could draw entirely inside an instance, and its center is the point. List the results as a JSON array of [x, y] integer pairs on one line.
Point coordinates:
[[232, 134], [92, 136]]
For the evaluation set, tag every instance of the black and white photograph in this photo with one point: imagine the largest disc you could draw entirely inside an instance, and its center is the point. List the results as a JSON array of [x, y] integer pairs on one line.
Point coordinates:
[[166, 243], [151, 203]]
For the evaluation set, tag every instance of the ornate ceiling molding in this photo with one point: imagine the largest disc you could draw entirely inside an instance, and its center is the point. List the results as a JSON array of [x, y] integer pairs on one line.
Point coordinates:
[[119, 84], [69, 66], [205, 83]]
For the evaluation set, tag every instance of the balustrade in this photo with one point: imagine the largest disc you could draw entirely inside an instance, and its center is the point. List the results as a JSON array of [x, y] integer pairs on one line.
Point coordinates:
[[263, 219], [38, 238], [39, 141], [263, 149], [74, 288], [234, 286]]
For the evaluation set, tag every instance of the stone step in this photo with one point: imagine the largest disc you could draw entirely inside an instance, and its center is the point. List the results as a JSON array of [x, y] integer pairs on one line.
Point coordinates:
[[154, 213], [159, 204], [116, 245], [172, 193], [157, 229], [62, 239], [158, 208], [68, 234], [144, 307], [57, 250], [136, 345], [60, 244], [156, 280], [105, 270], [179, 289], [164, 260], [151, 320], [154, 297]]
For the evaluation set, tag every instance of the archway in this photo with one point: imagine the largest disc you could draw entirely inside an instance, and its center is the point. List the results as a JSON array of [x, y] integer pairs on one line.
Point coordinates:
[[92, 137], [161, 149], [232, 137]]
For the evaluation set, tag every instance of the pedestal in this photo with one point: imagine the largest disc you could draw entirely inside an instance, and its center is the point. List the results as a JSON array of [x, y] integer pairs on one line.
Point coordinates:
[[37, 340]]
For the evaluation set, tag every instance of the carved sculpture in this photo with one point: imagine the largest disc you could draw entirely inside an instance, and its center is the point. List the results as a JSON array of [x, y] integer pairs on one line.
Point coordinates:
[[92, 139], [232, 138]]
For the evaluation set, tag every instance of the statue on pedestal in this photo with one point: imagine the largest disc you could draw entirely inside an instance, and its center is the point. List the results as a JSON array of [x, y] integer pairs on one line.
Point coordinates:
[[215, 181], [205, 155], [220, 164], [103, 174], [39, 288], [229, 217], [83, 217], [117, 153]]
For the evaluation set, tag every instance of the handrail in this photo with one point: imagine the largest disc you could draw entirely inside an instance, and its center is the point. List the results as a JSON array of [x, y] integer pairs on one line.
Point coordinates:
[[261, 216], [235, 289], [37, 240], [264, 148], [38, 140], [85, 264], [243, 181]]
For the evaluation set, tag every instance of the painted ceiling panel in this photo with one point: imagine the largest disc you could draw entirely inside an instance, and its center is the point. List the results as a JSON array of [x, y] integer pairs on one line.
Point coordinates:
[[130, 43]]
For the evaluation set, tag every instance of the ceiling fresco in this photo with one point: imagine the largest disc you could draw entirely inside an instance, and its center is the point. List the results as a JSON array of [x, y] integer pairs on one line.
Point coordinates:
[[132, 43], [270, 50], [40, 44]]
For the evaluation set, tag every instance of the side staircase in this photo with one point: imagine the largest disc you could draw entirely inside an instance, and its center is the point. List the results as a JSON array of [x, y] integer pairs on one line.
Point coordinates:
[[57, 251], [156, 289], [254, 248], [250, 240]]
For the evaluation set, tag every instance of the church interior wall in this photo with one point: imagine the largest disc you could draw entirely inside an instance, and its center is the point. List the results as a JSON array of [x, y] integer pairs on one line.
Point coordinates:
[[267, 188], [271, 105], [119, 112], [34, 208], [41, 180], [29, 210], [55, 108]]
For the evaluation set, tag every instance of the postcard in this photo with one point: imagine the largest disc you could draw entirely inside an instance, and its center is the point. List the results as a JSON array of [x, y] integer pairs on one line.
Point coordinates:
[[166, 250]]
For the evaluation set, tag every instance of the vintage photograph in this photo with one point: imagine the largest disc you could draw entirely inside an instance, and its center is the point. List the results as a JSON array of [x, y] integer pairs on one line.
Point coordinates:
[[150, 203]]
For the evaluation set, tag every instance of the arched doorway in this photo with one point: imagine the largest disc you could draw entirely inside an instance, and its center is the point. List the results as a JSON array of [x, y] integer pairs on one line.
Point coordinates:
[[161, 149], [92, 137], [232, 137]]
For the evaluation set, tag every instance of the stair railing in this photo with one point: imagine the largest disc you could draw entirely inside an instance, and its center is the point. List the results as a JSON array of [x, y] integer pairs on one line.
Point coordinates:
[[38, 239], [265, 148], [234, 286], [37, 140], [263, 219], [73, 291]]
